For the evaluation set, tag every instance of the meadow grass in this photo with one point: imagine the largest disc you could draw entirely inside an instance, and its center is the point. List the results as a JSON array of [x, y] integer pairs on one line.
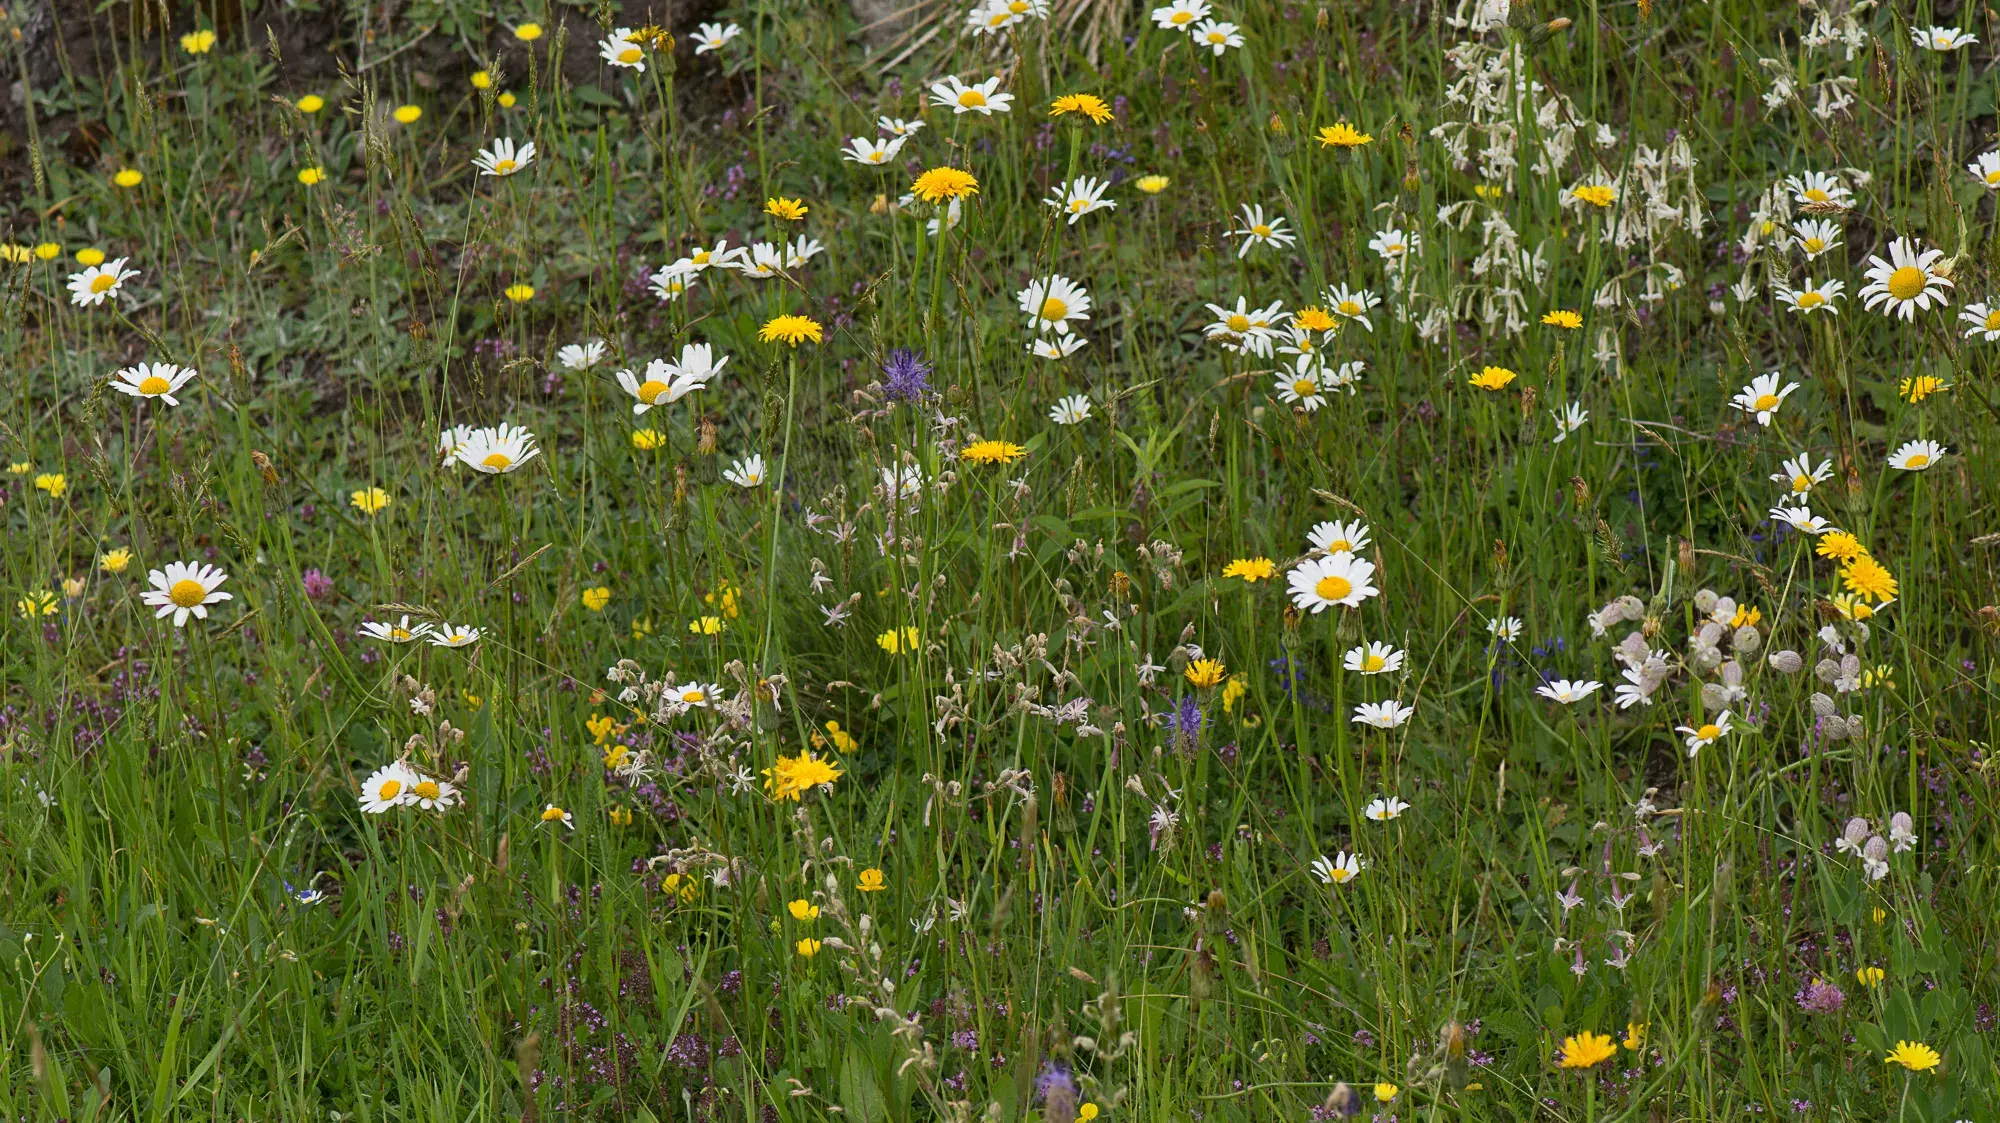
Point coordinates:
[[1418, 691]]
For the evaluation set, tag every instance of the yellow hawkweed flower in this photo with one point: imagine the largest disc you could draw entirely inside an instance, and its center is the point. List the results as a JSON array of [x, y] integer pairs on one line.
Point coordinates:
[[1343, 135], [1563, 318], [1840, 545], [370, 501], [790, 210], [114, 561], [1493, 378], [92, 255], [1596, 194], [408, 114], [528, 32], [37, 604], [48, 251], [992, 452], [128, 177], [1086, 105], [793, 330], [1587, 1050], [1251, 570], [1204, 673], [1869, 579], [311, 103], [1152, 184], [939, 184], [1914, 1056], [1914, 390], [520, 292]]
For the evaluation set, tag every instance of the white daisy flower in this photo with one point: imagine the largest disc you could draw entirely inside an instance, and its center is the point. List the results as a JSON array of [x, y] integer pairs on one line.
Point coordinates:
[[1810, 297], [581, 356], [1382, 809], [1052, 302], [1763, 396], [553, 814], [1935, 38], [1057, 346], [1337, 871], [1217, 36], [1818, 187], [1799, 474], [1300, 386], [1915, 456], [1568, 692], [1373, 658], [1072, 410], [1801, 519], [153, 380], [1905, 283], [99, 283], [1983, 320], [449, 634], [896, 126], [713, 36], [400, 632], [1319, 583], [984, 99], [451, 440], [1816, 236], [1699, 738], [1338, 537], [1181, 15], [1393, 245], [746, 473], [1080, 197], [1245, 329], [1382, 715], [1505, 629], [498, 450], [1352, 304], [618, 49], [875, 153], [184, 589], [1986, 169], [503, 159], [1258, 231], [386, 788]]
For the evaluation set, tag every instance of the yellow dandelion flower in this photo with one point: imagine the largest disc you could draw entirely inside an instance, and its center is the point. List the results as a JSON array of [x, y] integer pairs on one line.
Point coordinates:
[[1152, 184], [528, 32], [1914, 390], [1587, 1050], [1493, 378], [1204, 673], [370, 501], [1914, 1056], [790, 210], [1595, 194], [1251, 570], [1563, 318], [1867, 578], [1840, 545]]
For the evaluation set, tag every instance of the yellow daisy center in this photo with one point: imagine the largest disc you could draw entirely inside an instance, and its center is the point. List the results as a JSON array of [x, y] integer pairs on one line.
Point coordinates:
[[1801, 484], [498, 461], [1993, 320], [1708, 732], [971, 99], [651, 389], [102, 282], [502, 167], [1019, 7], [1339, 546], [1261, 230], [1814, 245], [1373, 663], [1078, 203], [631, 55], [1907, 282], [389, 790], [1918, 460], [1349, 308], [1238, 323], [1809, 300], [1333, 587], [399, 634], [187, 592], [693, 696], [1053, 309], [1816, 194], [1993, 177], [1341, 874], [1304, 387], [1183, 17], [1765, 401], [426, 789], [153, 384]]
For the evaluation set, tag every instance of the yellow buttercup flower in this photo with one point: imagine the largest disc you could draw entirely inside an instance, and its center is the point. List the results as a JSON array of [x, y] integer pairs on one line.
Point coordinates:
[[506, 100], [807, 947], [1085, 105], [198, 42], [939, 184], [311, 176], [1086, 1113], [54, 483], [1493, 378], [482, 80], [871, 881], [803, 909], [1385, 1091], [790, 329], [596, 598]]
